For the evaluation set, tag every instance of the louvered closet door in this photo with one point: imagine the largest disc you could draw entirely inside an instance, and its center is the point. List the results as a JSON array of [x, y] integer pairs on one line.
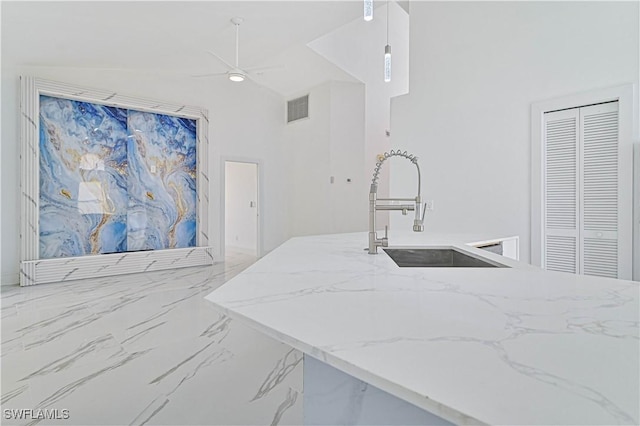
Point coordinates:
[[561, 245], [599, 192]]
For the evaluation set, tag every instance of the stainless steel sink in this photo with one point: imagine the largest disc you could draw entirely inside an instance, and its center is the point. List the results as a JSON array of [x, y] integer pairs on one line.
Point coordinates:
[[437, 258]]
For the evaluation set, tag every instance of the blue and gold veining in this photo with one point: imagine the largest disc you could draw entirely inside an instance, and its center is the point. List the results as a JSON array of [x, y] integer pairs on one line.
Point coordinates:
[[114, 180], [162, 187]]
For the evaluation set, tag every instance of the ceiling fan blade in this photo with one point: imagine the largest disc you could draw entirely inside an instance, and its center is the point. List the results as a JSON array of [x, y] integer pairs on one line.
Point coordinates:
[[209, 75], [259, 70], [228, 65]]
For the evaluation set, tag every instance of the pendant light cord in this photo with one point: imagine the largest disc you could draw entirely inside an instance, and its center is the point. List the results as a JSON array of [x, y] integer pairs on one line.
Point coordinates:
[[387, 21]]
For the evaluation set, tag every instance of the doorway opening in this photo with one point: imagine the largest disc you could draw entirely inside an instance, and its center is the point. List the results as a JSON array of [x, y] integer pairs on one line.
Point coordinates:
[[241, 213]]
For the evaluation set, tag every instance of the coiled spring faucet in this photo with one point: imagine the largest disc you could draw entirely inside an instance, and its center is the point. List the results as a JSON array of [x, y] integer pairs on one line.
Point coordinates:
[[418, 222]]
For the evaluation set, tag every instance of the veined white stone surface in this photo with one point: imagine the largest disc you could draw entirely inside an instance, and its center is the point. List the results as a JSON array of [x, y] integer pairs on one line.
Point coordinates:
[[141, 349], [516, 345], [332, 397]]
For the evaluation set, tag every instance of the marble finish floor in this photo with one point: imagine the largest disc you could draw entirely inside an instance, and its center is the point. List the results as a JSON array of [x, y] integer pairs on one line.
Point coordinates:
[[141, 349]]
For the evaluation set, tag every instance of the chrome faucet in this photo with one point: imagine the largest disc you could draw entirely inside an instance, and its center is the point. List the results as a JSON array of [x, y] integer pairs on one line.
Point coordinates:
[[418, 222]]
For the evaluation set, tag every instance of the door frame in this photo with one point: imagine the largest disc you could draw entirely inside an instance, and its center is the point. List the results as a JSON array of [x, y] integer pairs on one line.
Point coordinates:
[[627, 98], [223, 207]]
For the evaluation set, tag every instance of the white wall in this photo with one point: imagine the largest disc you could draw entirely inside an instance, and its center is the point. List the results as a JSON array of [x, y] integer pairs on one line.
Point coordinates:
[[240, 191], [245, 121], [349, 199], [358, 48], [328, 143], [636, 211], [2, 275], [475, 69], [308, 157]]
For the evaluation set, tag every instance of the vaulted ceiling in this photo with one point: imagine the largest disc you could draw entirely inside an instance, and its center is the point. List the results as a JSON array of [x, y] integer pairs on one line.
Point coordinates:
[[174, 36]]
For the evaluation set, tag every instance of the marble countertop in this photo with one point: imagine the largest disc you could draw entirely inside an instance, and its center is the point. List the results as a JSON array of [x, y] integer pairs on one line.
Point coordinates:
[[516, 345]]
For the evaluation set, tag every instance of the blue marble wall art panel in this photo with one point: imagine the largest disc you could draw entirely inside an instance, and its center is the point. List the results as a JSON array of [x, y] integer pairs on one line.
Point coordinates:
[[162, 181], [114, 179], [83, 178]]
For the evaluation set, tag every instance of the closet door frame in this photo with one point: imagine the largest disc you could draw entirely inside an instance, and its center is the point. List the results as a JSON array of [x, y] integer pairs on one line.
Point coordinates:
[[627, 98]]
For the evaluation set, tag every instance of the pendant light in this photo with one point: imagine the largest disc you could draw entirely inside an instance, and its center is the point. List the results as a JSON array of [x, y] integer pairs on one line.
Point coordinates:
[[387, 63], [368, 10], [387, 53]]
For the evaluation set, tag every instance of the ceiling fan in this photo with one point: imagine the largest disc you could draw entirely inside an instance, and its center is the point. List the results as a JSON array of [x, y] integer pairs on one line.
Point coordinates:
[[235, 73]]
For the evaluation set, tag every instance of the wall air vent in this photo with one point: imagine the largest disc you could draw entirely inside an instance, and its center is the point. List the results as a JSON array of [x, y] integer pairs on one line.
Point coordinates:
[[298, 108]]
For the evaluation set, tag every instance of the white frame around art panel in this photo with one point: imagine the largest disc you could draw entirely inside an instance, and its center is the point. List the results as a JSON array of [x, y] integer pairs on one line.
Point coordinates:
[[628, 131], [34, 270]]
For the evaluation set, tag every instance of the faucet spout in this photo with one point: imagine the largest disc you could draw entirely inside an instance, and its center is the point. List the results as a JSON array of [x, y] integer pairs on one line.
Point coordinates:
[[418, 222]]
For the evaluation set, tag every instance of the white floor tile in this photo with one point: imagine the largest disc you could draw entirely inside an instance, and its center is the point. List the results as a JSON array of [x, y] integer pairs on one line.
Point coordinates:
[[143, 349]]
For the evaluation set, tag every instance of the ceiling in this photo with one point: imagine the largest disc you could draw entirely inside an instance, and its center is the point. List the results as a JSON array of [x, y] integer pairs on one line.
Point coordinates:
[[174, 36]]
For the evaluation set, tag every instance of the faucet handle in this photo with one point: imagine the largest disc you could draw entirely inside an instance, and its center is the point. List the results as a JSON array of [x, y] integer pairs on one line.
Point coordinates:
[[424, 210], [385, 240]]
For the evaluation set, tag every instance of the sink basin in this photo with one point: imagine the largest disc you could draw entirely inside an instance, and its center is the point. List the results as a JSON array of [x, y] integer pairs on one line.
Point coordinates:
[[437, 258]]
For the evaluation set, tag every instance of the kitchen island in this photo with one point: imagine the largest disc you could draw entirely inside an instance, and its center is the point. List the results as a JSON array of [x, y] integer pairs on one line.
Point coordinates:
[[508, 345]]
